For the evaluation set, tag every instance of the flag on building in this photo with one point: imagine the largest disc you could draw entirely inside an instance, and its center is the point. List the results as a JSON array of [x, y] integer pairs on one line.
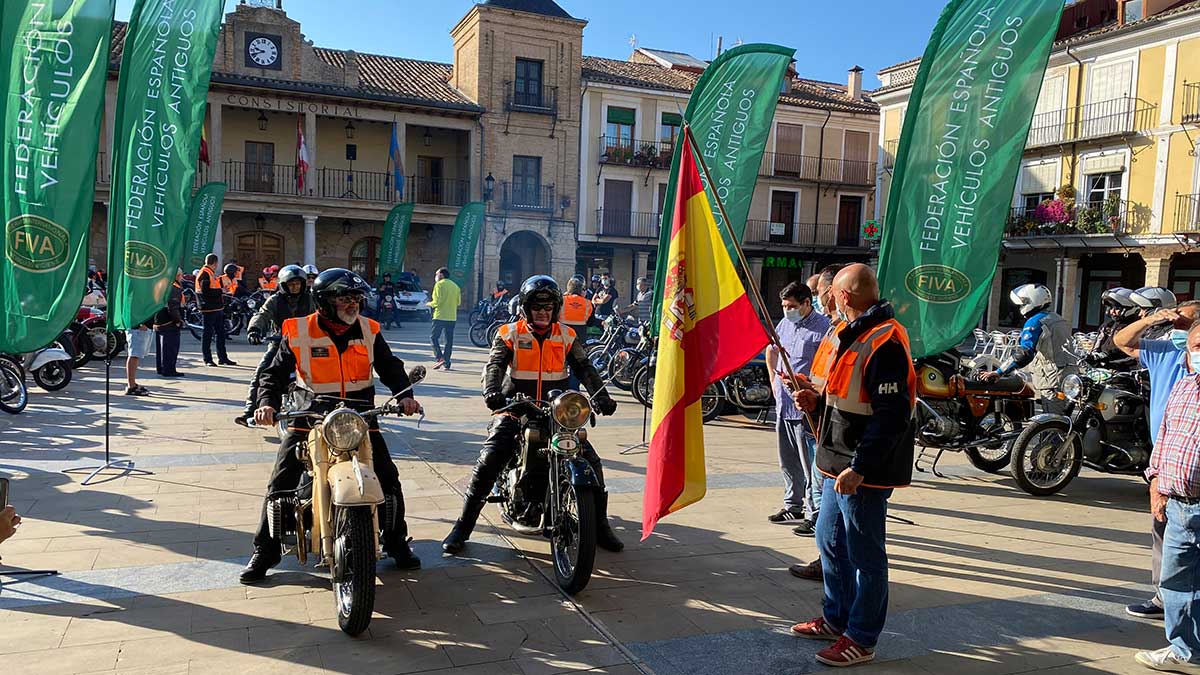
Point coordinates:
[[301, 155], [204, 147], [708, 329], [396, 161]]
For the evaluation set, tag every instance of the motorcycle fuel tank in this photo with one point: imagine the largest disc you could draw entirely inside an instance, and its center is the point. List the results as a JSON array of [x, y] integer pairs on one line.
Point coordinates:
[[932, 382]]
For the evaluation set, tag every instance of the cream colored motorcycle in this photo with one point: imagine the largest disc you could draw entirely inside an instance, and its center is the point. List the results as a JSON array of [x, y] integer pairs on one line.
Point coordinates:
[[337, 513]]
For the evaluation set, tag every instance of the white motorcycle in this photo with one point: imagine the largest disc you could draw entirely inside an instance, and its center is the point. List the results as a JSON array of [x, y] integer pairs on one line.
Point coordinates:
[[50, 366]]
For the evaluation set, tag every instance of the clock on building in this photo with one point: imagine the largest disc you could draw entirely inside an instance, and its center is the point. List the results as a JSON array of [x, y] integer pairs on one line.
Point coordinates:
[[262, 51]]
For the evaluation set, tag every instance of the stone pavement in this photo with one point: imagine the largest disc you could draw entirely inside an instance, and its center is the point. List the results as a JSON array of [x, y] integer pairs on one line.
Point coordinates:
[[985, 579]]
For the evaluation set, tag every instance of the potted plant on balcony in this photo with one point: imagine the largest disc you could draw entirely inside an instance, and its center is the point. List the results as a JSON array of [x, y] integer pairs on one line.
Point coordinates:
[[1052, 216]]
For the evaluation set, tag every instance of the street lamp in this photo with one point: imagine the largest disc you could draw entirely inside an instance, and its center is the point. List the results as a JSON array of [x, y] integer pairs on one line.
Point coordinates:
[[262, 121], [346, 224], [350, 130], [489, 185], [427, 138]]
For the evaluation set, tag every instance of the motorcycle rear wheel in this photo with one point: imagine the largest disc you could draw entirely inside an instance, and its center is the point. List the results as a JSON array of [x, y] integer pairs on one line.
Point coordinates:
[[478, 333], [115, 344], [711, 402], [355, 594], [14, 395], [1033, 467], [84, 351], [573, 544], [53, 376]]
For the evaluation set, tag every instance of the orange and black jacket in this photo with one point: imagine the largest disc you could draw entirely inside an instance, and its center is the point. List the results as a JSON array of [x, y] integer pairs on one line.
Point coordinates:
[[208, 286], [879, 445], [496, 372], [389, 369]]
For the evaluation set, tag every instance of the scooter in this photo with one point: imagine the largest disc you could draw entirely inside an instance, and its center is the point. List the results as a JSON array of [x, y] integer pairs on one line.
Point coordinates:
[[50, 366]]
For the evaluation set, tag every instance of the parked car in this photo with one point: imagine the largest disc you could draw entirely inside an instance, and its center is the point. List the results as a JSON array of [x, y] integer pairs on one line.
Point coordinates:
[[410, 302]]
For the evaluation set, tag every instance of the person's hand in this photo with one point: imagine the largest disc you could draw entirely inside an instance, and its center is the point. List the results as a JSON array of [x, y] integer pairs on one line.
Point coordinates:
[[605, 405], [409, 406], [990, 376], [805, 399], [264, 416], [9, 522], [254, 337], [495, 400], [1158, 502], [847, 482]]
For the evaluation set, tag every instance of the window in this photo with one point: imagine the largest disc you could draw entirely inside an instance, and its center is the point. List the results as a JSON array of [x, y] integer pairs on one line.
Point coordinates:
[[1133, 10], [1032, 200], [662, 198], [364, 258], [527, 181], [1095, 282], [1010, 314], [619, 134], [260, 167], [527, 88], [789, 144], [668, 132], [1101, 186], [1185, 284]]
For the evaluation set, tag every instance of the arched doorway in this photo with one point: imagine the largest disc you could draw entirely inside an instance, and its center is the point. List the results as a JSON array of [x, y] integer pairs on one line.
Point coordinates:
[[523, 255], [256, 250], [364, 258]]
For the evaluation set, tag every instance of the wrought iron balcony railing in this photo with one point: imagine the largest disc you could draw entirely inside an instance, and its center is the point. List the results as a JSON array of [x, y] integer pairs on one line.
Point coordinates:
[[635, 224], [645, 154], [813, 169], [1115, 117], [519, 197], [797, 234], [1191, 103], [890, 148], [1187, 213], [544, 101], [1050, 219]]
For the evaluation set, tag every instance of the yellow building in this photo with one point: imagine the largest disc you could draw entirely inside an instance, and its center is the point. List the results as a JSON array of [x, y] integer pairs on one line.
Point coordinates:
[[1115, 132]]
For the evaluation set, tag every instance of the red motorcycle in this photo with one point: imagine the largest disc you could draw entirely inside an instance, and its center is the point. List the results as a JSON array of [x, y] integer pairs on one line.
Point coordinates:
[[92, 337]]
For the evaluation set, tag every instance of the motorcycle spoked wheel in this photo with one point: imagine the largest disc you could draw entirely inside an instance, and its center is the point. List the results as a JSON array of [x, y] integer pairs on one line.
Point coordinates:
[[1034, 466], [354, 551], [114, 344], [53, 376], [478, 334], [14, 395], [195, 321], [621, 368], [710, 403], [643, 386], [600, 359], [491, 331], [993, 460], [573, 542], [84, 350]]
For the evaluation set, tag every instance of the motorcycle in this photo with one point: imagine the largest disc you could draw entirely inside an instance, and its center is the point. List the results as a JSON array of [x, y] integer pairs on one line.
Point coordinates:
[[238, 312], [14, 395], [748, 389], [957, 412], [625, 363], [1106, 427], [337, 512], [618, 334], [94, 329], [549, 488], [50, 366]]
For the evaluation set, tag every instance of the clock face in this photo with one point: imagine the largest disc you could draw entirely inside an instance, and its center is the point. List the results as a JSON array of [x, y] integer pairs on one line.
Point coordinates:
[[263, 51]]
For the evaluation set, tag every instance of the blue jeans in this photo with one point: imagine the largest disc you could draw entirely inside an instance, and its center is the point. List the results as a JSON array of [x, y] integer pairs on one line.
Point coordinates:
[[801, 481], [850, 537], [1179, 583]]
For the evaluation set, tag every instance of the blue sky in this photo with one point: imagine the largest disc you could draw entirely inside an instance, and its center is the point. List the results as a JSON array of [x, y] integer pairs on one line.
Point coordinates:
[[829, 35]]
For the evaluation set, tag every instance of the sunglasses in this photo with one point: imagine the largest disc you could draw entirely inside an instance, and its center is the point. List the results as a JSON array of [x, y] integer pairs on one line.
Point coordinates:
[[541, 308]]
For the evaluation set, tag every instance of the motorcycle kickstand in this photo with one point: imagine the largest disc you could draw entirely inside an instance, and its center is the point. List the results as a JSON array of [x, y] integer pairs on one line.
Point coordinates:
[[936, 459]]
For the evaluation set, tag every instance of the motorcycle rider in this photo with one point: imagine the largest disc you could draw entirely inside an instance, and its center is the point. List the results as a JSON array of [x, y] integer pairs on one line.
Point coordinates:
[[267, 282], [1149, 300], [334, 350], [1119, 311], [229, 279], [311, 272], [1042, 345], [293, 299], [531, 356]]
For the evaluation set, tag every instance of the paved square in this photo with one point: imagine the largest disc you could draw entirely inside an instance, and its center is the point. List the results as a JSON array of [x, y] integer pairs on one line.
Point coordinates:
[[986, 580]]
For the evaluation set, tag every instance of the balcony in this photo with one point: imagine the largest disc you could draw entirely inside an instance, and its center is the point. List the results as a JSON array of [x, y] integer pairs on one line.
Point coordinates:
[[1191, 103], [760, 232], [1116, 117], [543, 102], [437, 191], [643, 154], [817, 169], [277, 179], [1187, 213], [526, 198], [1112, 216], [373, 186], [635, 224], [890, 148]]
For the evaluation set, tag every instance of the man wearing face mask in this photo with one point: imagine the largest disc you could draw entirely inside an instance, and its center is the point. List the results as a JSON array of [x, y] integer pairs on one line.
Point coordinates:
[[605, 301], [531, 356], [1166, 361], [800, 333]]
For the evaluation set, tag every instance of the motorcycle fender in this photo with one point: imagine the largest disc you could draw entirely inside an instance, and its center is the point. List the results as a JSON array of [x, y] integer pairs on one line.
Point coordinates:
[[343, 485], [49, 356], [581, 473], [1049, 417]]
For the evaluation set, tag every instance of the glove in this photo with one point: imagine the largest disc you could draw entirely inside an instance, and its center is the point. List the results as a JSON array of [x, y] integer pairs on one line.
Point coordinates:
[[605, 405], [495, 400], [254, 337]]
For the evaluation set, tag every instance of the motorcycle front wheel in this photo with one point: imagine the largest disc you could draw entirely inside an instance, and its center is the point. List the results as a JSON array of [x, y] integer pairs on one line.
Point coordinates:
[[1041, 464], [622, 366], [643, 385], [194, 320], [354, 552], [573, 542], [53, 376], [14, 395], [710, 403], [479, 332]]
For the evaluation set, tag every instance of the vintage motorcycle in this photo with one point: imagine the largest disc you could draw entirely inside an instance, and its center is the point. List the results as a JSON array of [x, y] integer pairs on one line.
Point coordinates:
[[90, 324], [618, 334], [1106, 427], [14, 395], [50, 366], [957, 412], [549, 488], [339, 509], [748, 389]]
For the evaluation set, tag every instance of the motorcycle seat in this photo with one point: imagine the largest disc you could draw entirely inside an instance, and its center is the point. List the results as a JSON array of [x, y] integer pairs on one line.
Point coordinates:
[[1009, 384]]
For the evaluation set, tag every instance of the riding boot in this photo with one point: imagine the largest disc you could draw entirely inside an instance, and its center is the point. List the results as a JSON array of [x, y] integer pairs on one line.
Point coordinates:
[[497, 450], [605, 537], [454, 542], [263, 559]]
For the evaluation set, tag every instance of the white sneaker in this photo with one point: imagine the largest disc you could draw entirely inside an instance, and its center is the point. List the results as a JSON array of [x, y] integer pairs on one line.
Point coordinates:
[[1166, 659]]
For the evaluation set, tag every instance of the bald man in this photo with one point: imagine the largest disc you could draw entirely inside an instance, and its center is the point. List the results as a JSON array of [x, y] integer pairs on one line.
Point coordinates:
[[864, 450]]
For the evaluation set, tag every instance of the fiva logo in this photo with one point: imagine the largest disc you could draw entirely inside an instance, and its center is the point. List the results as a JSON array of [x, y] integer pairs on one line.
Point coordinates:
[[144, 261], [939, 284], [36, 244]]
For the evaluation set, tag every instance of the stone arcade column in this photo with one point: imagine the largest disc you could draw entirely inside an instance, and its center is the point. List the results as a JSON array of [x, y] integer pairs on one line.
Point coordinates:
[[1158, 271], [1066, 289], [310, 240]]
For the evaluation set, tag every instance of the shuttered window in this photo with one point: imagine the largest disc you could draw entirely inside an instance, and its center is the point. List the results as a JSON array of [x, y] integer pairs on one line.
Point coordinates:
[[1039, 178], [789, 139]]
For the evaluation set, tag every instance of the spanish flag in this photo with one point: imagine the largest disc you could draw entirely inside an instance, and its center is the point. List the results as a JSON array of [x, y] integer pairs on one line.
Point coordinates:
[[203, 146], [709, 328]]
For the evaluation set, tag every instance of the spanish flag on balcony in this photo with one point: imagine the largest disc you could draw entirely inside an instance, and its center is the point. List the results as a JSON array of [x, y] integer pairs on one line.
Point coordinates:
[[709, 328]]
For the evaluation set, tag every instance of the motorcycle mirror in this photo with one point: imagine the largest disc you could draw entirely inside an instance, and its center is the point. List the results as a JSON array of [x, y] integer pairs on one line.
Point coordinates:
[[416, 374]]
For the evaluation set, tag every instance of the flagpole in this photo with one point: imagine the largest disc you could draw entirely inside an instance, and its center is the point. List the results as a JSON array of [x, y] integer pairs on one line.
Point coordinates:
[[760, 306]]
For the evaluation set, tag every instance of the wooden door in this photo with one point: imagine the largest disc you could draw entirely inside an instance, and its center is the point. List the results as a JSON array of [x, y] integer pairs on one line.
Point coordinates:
[[256, 250], [856, 170], [260, 167], [849, 220], [429, 180], [618, 200], [783, 212]]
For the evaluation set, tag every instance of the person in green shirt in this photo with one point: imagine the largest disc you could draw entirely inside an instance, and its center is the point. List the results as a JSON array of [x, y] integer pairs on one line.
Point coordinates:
[[445, 301]]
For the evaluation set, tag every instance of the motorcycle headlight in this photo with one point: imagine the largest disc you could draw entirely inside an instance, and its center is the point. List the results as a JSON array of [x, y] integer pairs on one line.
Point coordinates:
[[251, 304], [571, 410], [1072, 386], [344, 429]]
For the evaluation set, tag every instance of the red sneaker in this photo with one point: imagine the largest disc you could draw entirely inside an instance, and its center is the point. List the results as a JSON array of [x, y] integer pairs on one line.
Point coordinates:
[[817, 629], [845, 652]]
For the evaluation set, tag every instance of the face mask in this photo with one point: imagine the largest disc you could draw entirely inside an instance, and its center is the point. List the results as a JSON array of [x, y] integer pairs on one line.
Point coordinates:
[[792, 315], [817, 304], [1179, 339], [1194, 361], [842, 316]]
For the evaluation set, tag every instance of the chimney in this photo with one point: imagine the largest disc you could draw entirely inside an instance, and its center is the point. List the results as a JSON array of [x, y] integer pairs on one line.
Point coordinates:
[[351, 74], [854, 85]]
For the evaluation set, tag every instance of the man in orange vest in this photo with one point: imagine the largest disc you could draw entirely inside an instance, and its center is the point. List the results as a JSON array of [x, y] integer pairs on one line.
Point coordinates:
[[334, 351], [212, 308], [531, 356], [577, 310], [865, 450], [267, 282]]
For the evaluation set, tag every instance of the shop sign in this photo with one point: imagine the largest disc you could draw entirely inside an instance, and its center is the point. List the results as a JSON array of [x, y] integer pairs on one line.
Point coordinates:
[[782, 262]]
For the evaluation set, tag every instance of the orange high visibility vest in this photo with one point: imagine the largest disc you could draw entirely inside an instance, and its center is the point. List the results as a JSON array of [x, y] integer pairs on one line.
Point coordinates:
[[214, 281], [228, 285], [534, 362], [268, 285], [826, 352], [576, 310], [320, 368], [845, 390]]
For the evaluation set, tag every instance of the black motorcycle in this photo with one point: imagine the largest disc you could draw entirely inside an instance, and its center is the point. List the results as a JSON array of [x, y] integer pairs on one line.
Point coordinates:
[[549, 488], [1106, 428], [748, 389], [618, 334]]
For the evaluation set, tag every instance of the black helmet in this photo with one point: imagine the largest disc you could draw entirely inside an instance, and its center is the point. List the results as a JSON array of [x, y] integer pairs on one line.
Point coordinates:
[[230, 270], [540, 289], [334, 282], [291, 273]]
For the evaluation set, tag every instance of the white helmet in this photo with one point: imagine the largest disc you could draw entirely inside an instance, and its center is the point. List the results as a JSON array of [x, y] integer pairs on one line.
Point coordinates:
[[1030, 298], [1119, 302], [1153, 297], [311, 270]]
